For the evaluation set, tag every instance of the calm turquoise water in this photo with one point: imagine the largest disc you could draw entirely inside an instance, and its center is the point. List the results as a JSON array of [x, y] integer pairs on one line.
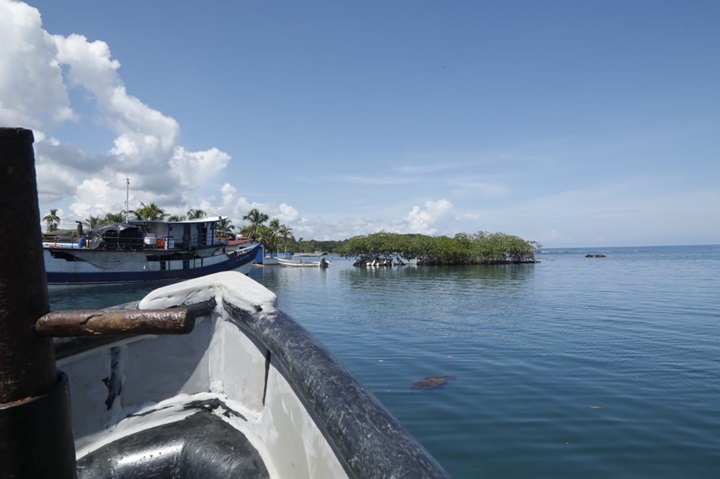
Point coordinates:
[[571, 368]]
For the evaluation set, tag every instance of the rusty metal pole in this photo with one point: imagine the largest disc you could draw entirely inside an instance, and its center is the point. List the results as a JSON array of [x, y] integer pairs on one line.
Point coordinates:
[[35, 429]]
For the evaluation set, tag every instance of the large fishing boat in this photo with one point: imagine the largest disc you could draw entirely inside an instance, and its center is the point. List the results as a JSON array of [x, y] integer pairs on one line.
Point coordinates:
[[146, 251]]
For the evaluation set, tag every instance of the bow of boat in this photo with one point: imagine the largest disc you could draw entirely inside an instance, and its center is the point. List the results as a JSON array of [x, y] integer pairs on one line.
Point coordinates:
[[248, 391]]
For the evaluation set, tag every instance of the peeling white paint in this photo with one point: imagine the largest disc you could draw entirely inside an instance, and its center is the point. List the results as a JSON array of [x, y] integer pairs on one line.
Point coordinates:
[[231, 286]]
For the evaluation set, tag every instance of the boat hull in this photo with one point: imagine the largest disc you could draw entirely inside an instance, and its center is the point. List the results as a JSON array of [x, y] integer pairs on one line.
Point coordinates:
[[64, 266], [270, 261], [248, 386], [298, 264]]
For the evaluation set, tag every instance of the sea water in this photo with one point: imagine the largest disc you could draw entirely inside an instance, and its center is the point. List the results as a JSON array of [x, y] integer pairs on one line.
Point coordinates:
[[574, 367]]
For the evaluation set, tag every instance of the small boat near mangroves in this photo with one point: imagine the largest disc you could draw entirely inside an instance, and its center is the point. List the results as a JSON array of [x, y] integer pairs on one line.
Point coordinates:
[[137, 251], [203, 378], [305, 260]]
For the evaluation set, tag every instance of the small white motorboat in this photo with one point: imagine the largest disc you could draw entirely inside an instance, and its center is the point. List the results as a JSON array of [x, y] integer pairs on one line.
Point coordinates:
[[305, 260]]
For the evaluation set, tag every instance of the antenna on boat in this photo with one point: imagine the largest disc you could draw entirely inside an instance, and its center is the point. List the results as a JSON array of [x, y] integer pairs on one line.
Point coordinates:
[[127, 198]]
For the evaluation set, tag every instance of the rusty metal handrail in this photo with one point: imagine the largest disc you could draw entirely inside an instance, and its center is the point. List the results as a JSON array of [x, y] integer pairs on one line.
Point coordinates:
[[115, 322]]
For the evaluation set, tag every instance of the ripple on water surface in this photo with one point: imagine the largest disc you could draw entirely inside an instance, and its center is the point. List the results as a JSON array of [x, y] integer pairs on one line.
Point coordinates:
[[562, 370], [573, 367]]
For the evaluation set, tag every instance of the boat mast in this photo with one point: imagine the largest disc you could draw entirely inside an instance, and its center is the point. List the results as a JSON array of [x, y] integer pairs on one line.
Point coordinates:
[[127, 198]]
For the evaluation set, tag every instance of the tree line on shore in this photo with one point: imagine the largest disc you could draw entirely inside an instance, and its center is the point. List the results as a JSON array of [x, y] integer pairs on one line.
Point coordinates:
[[379, 248], [462, 249]]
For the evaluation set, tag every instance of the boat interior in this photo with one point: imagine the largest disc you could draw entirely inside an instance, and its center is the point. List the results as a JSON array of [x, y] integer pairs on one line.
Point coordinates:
[[248, 393]]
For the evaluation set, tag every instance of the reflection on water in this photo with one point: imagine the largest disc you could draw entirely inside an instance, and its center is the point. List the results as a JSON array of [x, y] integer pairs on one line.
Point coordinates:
[[442, 300]]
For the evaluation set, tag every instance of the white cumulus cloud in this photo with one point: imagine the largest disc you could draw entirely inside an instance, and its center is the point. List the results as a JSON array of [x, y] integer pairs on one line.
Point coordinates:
[[238, 206], [32, 91], [421, 220], [37, 72], [197, 168]]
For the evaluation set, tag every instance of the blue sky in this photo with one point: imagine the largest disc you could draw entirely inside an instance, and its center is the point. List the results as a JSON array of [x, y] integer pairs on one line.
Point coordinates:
[[572, 123]]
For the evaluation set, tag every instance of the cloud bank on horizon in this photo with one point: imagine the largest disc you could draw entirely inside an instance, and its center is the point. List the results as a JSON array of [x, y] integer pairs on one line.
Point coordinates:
[[55, 84]]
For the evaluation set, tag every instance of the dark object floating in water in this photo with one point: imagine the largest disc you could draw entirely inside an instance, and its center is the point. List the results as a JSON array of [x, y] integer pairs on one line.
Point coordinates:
[[432, 382], [590, 255]]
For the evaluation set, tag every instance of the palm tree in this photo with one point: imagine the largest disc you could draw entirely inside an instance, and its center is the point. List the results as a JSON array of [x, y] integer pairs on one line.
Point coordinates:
[[114, 218], [149, 212], [285, 232], [177, 218], [264, 236], [224, 228], [273, 234], [256, 219], [193, 214], [52, 220], [93, 221], [247, 231]]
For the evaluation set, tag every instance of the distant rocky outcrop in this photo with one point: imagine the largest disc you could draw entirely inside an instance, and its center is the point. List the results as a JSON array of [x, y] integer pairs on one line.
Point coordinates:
[[594, 255]]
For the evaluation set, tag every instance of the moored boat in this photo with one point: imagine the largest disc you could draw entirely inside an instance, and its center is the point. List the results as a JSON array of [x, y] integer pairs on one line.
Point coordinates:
[[146, 251], [304, 260]]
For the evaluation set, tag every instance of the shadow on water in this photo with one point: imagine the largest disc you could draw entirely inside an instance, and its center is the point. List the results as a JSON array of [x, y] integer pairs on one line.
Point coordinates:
[[98, 296]]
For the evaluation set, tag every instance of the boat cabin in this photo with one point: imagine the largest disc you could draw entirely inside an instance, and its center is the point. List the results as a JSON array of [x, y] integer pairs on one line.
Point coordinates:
[[139, 234]]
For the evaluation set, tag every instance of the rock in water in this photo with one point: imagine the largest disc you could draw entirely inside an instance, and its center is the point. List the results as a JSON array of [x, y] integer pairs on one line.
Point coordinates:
[[432, 382]]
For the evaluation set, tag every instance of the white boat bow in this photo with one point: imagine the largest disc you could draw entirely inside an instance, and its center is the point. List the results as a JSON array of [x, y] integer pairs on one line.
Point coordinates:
[[246, 371]]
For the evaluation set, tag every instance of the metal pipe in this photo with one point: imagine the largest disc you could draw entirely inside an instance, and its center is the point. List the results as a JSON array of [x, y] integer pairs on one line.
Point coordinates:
[[115, 322], [35, 431]]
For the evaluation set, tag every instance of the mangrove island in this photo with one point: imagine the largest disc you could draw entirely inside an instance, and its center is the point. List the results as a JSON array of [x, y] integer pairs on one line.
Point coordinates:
[[483, 248]]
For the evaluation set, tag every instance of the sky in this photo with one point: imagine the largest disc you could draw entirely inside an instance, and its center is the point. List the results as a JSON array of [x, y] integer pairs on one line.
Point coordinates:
[[569, 123]]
